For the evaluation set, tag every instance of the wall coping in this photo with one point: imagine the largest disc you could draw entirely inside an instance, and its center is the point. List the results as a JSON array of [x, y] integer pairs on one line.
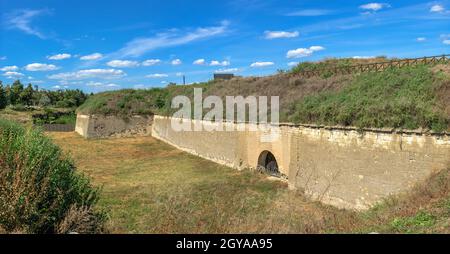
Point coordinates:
[[343, 128], [111, 115]]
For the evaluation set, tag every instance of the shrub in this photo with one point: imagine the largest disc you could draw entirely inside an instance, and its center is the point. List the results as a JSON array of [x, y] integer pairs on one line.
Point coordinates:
[[421, 220], [18, 107], [39, 187]]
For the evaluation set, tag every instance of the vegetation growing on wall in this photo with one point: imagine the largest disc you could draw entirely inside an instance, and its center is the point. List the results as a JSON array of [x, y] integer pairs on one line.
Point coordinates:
[[40, 191]]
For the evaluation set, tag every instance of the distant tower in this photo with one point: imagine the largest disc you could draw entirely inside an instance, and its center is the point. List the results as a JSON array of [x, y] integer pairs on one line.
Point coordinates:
[[184, 80]]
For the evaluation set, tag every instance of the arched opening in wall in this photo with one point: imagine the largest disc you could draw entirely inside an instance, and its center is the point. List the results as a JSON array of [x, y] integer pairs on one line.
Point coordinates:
[[268, 164]]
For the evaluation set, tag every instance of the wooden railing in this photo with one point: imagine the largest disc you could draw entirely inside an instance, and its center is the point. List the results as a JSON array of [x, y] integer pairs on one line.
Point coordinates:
[[374, 67]]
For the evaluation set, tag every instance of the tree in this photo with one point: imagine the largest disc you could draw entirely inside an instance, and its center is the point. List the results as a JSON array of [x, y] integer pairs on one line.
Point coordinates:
[[44, 101], [26, 96], [16, 90], [3, 99], [8, 94]]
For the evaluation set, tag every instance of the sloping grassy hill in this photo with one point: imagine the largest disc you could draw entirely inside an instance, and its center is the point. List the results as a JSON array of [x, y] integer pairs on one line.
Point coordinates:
[[409, 97]]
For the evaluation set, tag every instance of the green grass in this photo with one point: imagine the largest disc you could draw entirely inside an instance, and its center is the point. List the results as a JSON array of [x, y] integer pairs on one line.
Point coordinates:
[[131, 102], [412, 224], [398, 98]]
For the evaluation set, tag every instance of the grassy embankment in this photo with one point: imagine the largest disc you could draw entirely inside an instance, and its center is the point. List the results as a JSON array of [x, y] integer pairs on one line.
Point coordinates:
[[406, 98], [151, 187]]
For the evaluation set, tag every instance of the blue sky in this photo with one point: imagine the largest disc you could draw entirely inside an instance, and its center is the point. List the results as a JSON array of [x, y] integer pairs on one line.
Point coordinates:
[[105, 45]]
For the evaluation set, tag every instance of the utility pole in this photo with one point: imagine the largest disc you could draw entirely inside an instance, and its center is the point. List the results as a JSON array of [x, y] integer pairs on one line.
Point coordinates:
[[184, 80]]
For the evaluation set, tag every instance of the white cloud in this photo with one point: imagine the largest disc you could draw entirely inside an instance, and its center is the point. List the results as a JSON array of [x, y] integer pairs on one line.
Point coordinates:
[[3, 58], [58, 87], [374, 6], [420, 39], [229, 70], [157, 75], [437, 8], [140, 46], [303, 52], [151, 62], [261, 64], [94, 56], [60, 56], [200, 61], [21, 20], [66, 83], [292, 64], [280, 34], [13, 74], [309, 13], [89, 73], [218, 63], [41, 67], [101, 84], [176, 62], [10, 68], [446, 42], [122, 63], [316, 48], [179, 74]]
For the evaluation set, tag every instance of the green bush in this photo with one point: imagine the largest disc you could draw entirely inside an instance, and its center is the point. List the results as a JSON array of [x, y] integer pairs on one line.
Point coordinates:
[[54, 117], [40, 191], [19, 107], [421, 220], [398, 98]]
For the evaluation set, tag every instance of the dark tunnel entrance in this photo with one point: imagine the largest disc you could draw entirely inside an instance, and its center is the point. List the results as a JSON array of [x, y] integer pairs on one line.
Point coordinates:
[[268, 164]]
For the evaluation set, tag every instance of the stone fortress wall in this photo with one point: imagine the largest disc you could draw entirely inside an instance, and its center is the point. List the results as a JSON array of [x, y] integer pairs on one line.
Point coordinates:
[[340, 166]]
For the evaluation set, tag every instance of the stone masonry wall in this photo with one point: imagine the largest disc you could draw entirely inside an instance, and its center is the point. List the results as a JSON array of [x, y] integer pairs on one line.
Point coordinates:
[[98, 126], [338, 166]]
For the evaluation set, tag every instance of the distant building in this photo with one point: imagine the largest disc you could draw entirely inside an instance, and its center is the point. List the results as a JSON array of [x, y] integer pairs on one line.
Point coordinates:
[[223, 76]]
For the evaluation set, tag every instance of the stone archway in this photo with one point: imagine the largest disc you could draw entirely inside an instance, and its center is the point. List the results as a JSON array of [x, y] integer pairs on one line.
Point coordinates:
[[267, 163]]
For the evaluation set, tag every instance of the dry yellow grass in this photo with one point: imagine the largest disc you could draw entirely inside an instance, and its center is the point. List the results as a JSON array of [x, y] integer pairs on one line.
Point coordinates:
[[151, 187]]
